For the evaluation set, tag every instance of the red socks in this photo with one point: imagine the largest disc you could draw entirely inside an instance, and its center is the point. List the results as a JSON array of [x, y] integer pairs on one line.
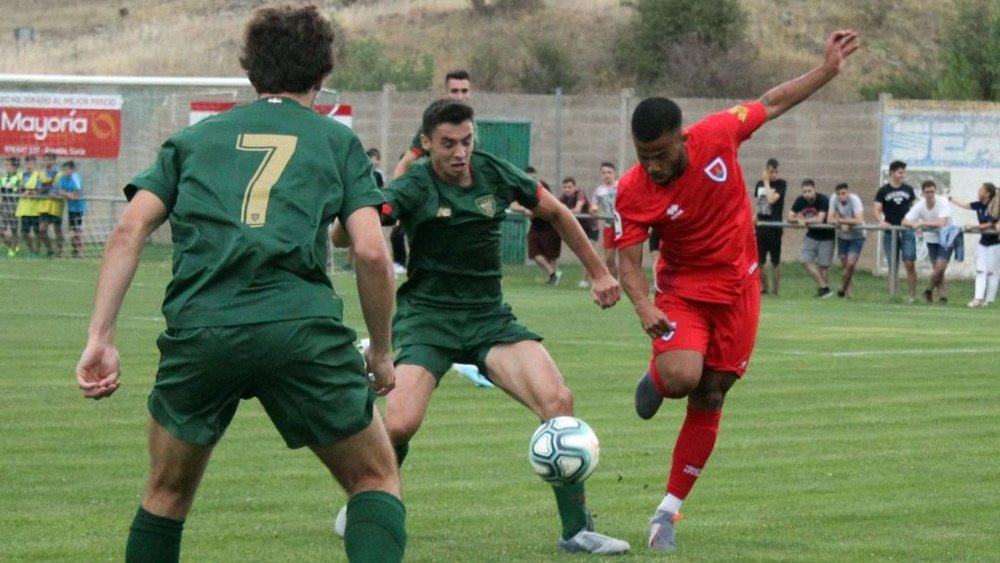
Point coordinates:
[[694, 446]]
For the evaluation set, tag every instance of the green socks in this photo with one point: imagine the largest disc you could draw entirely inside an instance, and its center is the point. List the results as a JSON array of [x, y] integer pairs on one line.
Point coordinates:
[[572, 503], [153, 539], [375, 531]]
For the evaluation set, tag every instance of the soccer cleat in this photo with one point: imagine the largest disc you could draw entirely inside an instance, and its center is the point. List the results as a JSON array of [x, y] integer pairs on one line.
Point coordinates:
[[661, 531], [647, 397], [589, 541], [340, 522], [473, 374]]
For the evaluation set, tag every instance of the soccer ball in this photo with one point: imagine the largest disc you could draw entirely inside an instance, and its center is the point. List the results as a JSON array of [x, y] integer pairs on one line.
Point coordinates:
[[564, 450]]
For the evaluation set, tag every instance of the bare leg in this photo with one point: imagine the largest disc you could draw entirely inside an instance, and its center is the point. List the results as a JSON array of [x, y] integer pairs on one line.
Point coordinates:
[[526, 372], [176, 469], [406, 405], [911, 278], [815, 273]]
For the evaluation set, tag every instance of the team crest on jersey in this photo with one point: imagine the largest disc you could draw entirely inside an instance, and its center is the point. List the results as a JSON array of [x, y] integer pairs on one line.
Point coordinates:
[[487, 204], [716, 170], [444, 212], [674, 212], [740, 111]]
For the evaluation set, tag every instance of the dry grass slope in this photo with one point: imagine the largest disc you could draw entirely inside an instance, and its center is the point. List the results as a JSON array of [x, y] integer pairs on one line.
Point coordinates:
[[195, 38]]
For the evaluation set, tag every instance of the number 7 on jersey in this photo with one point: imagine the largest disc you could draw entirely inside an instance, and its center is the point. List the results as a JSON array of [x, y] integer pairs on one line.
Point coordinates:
[[278, 151]]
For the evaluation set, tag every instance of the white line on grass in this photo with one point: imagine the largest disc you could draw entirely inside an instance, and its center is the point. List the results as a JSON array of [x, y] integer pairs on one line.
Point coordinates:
[[907, 352]]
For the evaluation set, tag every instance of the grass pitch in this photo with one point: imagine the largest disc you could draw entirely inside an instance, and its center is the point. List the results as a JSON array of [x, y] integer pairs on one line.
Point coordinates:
[[864, 430]]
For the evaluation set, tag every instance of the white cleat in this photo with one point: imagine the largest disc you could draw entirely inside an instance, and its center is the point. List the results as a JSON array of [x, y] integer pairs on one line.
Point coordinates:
[[588, 541], [661, 531]]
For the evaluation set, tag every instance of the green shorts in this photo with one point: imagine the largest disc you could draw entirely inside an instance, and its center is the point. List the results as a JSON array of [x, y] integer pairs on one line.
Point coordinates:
[[306, 373], [436, 338]]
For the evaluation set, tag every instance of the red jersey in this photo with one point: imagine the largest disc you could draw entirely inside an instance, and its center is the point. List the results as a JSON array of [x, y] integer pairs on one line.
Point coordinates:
[[708, 251]]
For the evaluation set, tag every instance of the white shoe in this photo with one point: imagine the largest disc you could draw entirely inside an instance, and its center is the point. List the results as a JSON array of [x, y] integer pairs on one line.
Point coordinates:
[[661, 531], [975, 303], [340, 522], [587, 541]]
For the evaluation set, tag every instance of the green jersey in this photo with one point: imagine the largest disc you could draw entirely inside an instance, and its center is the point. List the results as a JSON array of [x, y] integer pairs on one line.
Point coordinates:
[[250, 194], [454, 231]]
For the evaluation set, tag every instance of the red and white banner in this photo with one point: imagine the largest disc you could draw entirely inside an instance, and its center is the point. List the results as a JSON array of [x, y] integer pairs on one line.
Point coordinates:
[[201, 110], [69, 125]]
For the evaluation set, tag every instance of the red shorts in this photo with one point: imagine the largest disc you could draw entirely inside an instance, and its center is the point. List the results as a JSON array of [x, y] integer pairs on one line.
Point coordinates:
[[608, 240], [723, 334]]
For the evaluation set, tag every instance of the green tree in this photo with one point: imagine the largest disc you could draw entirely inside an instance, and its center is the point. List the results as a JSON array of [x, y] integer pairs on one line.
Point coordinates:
[[971, 53], [659, 25], [364, 67], [548, 66]]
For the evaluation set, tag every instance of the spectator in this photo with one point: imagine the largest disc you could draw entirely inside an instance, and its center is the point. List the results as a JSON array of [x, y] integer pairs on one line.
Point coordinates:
[[577, 201], [70, 187], [604, 204], [848, 214], [926, 218], [810, 209], [51, 206], [987, 208], [892, 201], [544, 243], [28, 206], [10, 188], [770, 195]]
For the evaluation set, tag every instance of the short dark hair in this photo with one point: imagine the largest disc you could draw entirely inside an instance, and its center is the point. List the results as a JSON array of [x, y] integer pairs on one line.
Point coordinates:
[[445, 110], [896, 165], [374, 152], [30, 158], [50, 154], [928, 184], [808, 182], [456, 75], [608, 165], [287, 48], [653, 117], [569, 179], [772, 163], [529, 169], [69, 164], [841, 186]]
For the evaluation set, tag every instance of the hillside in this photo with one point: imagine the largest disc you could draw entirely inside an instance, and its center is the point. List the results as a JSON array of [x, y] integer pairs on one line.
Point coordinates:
[[200, 38]]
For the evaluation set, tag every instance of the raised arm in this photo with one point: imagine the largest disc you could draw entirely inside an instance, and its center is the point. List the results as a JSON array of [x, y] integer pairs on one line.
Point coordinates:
[[959, 202], [839, 45], [604, 287]]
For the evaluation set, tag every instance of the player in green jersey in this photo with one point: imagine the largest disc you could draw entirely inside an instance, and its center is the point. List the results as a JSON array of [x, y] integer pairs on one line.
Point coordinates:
[[451, 307], [457, 86], [250, 195]]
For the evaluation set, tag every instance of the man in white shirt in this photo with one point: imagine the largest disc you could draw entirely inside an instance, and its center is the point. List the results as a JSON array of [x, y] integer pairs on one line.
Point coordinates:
[[848, 214], [932, 213]]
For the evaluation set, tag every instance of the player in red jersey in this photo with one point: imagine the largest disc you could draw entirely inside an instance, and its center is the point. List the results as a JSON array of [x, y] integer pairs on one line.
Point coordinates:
[[689, 189]]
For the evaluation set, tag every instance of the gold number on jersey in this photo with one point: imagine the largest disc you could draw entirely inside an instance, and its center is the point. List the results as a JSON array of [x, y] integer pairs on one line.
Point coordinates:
[[277, 151]]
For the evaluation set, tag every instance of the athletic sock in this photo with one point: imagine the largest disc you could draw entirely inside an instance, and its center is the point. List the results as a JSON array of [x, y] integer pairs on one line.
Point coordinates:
[[671, 504], [694, 446], [375, 529], [401, 451], [572, 503], [153, 539]]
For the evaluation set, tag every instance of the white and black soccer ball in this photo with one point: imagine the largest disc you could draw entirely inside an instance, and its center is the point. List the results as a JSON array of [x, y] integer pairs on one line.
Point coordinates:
[[564, 450]]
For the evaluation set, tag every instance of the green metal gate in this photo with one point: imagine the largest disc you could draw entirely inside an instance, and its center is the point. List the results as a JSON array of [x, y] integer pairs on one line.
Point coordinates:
[[511, 141]]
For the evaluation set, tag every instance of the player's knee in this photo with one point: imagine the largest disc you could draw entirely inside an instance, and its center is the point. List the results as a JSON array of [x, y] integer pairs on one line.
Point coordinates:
[[679, 380], [401, 429], [558, 403]]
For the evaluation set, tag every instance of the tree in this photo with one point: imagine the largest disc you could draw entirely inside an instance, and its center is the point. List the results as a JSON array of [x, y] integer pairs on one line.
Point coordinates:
[[365, 67], [658, 26], [971, 53]]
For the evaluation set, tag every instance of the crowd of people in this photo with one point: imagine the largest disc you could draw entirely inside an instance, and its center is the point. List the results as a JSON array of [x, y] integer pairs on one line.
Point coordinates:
[[35, 201], [837, 222]]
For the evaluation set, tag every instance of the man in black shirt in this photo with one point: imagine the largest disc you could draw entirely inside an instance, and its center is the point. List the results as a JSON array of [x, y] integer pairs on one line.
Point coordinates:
[[892, 201], [770, 196], [809, 209]]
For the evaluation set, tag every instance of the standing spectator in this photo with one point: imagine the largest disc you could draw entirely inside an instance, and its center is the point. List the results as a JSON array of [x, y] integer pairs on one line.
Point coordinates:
[[848, 214], [51, 207], [457, 86], [28, 206], [987, 208], [770, 194], [577, 201], [70, 188], [604, 204], [544, 242], [892, 201], [10, 189], [810, 209], [926, 218]]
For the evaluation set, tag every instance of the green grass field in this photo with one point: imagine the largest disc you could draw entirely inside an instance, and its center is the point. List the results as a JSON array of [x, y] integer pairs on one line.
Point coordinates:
[[864, 430]]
